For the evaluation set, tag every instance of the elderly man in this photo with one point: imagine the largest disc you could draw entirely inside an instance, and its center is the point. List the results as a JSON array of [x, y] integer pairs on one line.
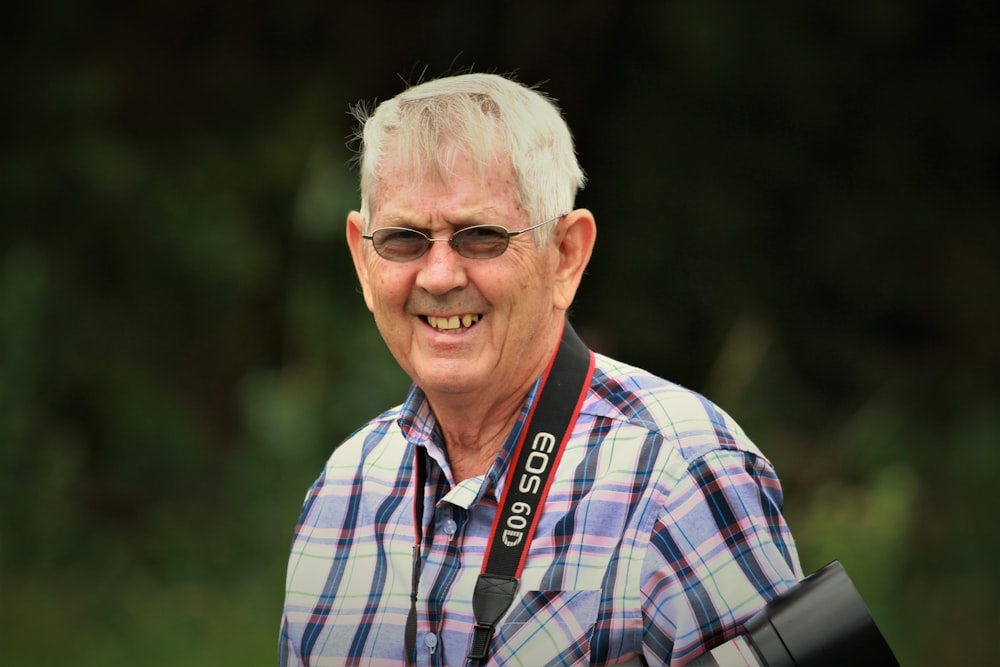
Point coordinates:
[[531, 502]]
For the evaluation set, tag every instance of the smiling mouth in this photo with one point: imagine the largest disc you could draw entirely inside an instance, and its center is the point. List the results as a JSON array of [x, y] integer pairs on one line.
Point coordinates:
[[453, 323]]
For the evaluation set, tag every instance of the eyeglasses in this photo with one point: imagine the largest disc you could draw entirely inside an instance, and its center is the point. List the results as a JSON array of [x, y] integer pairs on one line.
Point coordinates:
[[402, 244]]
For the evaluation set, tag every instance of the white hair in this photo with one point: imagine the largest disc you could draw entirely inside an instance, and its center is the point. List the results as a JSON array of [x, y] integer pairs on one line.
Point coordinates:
[[489, 118]]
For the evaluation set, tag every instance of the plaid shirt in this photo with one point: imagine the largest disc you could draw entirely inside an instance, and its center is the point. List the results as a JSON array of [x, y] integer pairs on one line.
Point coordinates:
[[662, 533]]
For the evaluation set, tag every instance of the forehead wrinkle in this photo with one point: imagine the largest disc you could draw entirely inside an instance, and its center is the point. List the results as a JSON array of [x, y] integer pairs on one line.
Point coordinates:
[[438, 165], [474, 215]]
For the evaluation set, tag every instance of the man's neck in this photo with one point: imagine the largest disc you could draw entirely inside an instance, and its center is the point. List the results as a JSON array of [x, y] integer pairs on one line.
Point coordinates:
[[476, 425], [474, 435]]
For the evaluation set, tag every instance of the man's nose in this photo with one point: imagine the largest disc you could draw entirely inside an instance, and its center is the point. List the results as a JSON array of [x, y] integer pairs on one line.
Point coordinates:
[[443, 269]]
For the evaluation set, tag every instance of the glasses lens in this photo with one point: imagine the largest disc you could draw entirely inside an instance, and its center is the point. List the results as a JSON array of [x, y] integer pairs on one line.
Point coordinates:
[[399, 244], [481, 241]]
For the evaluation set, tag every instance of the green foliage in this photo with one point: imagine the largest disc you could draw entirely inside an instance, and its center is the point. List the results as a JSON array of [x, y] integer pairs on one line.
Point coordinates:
[[131, 620]]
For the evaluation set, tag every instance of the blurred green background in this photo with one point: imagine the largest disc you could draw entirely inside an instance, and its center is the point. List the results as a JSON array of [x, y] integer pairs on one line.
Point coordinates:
[[798, 215]]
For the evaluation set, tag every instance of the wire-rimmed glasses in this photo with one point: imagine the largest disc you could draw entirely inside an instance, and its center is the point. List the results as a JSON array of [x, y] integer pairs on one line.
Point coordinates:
[[402, 244]]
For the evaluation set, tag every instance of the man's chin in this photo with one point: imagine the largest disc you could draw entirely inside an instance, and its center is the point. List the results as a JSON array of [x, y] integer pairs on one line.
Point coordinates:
[[444, 384], [455, 371]]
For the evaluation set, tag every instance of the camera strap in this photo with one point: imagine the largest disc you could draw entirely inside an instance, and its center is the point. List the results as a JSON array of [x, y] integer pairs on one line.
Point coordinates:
[[534, 459]]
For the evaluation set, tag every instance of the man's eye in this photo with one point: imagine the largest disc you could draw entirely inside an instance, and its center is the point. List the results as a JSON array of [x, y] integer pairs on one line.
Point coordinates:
[[482, 235], [401, 236]]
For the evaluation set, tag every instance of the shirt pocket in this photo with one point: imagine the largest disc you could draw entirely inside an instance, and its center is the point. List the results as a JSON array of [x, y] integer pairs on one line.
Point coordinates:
[[547, 628]]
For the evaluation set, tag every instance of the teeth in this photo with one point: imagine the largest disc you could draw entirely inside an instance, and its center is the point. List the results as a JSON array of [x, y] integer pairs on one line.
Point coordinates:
[[452, 323]]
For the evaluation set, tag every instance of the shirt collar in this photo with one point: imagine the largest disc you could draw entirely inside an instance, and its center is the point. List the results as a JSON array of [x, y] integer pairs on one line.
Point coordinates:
[[419, 426], [416, 420]]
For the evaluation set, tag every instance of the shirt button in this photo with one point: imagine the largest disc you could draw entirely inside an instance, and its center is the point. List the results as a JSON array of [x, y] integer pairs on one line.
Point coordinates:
[[449, 527], [431, 641]]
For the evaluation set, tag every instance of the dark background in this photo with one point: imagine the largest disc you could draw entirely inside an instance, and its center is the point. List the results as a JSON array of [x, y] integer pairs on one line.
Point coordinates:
[[798, 215]]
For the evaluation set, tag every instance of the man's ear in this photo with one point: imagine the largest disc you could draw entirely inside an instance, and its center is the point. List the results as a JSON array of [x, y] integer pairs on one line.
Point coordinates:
[[355, 227], [575, 242]]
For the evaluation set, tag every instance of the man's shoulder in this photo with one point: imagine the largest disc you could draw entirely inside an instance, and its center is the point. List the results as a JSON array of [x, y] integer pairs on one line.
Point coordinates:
[[634, 393], [377, 431], [637, 398], [379, 423]]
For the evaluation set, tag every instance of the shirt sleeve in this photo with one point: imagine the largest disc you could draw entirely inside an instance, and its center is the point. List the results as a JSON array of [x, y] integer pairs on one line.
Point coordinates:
[[286, 652], [718, 553]]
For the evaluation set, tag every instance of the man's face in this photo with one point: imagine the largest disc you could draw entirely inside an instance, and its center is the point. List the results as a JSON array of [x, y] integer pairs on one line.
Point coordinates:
[[460, 326]]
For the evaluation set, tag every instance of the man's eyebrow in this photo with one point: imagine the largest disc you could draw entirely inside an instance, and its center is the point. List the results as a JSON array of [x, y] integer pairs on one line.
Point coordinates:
[[471, 218], [479, 216], [400, 220]]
